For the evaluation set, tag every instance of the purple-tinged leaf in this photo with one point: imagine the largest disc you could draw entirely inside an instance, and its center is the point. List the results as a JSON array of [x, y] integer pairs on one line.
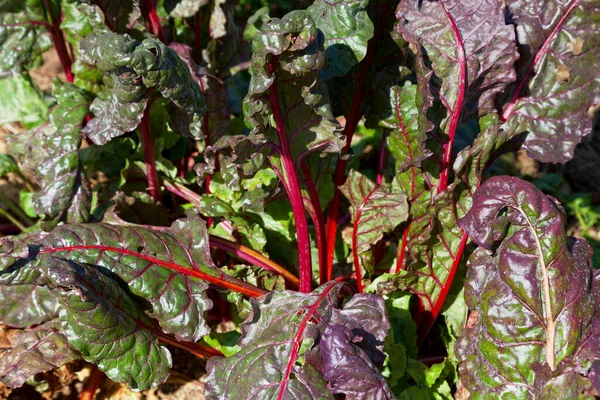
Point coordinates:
[[536, 294], [375, 210], [470, 47], [348, 369], [38, 350], [22, 306], [184, 8], [107, 326], [170, 269], [284, 334], [558, 75], [51, 151]]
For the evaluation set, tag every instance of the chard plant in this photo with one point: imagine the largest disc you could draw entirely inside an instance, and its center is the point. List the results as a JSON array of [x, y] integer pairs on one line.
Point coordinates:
[[320, 179]]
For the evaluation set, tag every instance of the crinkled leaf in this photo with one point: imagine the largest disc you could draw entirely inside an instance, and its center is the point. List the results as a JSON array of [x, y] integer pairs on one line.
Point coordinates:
[[51, 151], [129, 68], [24, 104], [375, 210], [347, 29], [470, 48], [536, 294], [23, 36], [27, 305], [558, 79], [107, 326], [81, 20], [284, 334], [38, 350], [287, 57], [347, 369], [170, 269]]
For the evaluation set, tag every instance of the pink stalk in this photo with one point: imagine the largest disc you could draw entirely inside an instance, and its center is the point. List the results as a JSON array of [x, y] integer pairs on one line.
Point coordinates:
[[148, 147], [293, 190]]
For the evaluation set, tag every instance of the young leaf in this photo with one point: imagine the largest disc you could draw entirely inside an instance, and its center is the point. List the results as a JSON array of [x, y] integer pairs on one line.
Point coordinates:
[[23, 34], [536, 294], [52, 151], [375, 210], [558, 80], [170, 269], [284, 335], [38, 350], [347, 29], [27, 305]]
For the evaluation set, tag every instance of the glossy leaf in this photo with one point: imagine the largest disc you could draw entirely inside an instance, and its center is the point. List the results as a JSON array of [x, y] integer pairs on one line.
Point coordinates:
[[347, 29], [285, 335], [51, 151], [470, 47], [25, 103], [536, 294], [129, 68], [184, 8], [558, 83], [108, 328], [27, 305], [23, 34], [170, 269], [40, 349]]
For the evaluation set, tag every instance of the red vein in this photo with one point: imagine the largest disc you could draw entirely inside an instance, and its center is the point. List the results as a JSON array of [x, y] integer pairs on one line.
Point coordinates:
[[456, 111], [148, 148], [224, 282], [508, 111], [357, 263], [298, 339]]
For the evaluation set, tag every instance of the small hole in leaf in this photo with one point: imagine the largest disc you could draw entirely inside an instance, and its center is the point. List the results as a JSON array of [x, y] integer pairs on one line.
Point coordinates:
[[140, 249], [153, 51], [313, 320], [300, 312]]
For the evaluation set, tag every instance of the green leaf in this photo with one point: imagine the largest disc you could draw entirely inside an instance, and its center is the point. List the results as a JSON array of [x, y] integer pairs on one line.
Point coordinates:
[[7, 165], [24, 104], [26, 305], [51, 150], [375, 210], [347, 29], [23, 36]]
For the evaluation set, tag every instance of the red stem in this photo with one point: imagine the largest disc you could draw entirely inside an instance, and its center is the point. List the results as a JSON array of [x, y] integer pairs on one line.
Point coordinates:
[[509, 109], [351, 122], [290, 181], [454, 121], [92, 384], [298, 337], [253, 257], [148, 147], [199, 350], [148, 9], [59, 43], [318, 221], [427, 320]]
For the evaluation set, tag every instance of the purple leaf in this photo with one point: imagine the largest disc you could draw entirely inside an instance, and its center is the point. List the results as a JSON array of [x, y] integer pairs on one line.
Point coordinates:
[[558, 75], [23, 306]]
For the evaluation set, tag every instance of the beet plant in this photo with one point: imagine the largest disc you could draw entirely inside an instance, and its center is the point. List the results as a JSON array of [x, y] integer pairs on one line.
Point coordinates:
[[317, 180]]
